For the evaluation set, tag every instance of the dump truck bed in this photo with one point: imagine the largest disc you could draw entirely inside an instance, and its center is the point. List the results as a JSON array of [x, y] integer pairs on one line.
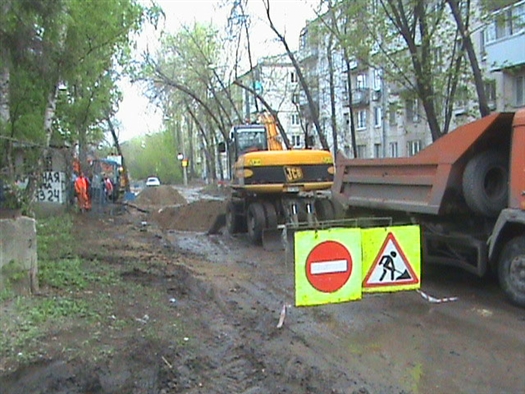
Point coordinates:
[[428, 182]]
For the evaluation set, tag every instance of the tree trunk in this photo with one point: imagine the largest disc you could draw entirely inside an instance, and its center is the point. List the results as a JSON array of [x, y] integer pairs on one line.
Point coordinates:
[[333, 121], [467, 42], [350, 105], [119, 152], [302, 80]]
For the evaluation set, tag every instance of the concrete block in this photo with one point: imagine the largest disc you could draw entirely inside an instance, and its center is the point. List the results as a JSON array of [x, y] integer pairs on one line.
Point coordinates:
[[18, 254]]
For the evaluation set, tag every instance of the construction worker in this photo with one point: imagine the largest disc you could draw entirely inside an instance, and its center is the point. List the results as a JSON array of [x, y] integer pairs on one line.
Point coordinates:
[[82, 192], [108, 186]]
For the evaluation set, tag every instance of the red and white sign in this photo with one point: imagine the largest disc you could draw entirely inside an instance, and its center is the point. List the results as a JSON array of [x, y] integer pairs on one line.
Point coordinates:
[[328, 266], [391, 267]]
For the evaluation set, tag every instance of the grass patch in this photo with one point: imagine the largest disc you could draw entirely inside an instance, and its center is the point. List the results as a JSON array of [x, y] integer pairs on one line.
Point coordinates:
[[55, 238], [67, 298]]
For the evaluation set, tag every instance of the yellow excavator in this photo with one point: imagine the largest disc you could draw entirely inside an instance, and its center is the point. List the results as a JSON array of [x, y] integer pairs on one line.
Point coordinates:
[[272, 186]]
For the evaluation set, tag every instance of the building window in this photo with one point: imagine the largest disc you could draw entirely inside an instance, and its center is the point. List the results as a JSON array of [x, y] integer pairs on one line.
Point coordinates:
[[346, 118], [296, 140], [392, 115], [377, 151], [412, 108], [462, 96], [507, 22], [296, 98], [344, 90], [393, 149], [361, 120], [377, 116], [490, 92], [361, 81], [377, 79], [437, 57], [520, 88], [413, 147], [293, 77], [295, 119], [361, 151]]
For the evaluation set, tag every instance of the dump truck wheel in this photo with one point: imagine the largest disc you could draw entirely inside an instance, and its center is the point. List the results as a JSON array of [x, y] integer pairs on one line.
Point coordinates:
[[255, 221], [485, 183], [511, 270], [270, 215], [234, 222], [325, 209]]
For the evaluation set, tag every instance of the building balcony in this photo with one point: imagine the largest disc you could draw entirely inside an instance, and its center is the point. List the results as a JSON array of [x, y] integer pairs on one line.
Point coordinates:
[[307, 54], [360, 97], [506, 52]]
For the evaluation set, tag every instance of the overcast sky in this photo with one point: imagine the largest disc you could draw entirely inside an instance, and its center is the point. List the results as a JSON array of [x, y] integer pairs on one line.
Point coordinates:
[[138, 117]]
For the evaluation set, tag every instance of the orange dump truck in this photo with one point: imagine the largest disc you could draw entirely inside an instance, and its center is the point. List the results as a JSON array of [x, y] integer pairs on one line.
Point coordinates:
[[466, 191]]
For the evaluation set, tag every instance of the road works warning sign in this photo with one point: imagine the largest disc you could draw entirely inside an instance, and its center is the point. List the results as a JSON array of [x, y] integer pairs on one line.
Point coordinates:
[[391, 259], [327, 266]]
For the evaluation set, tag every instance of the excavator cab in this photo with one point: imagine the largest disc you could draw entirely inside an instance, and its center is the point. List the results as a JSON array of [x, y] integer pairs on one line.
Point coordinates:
[[248, 138]]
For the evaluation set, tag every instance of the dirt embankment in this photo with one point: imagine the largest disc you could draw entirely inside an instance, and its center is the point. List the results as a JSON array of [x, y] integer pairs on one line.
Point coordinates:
[[159, 196], [171, 211], [196, 216]]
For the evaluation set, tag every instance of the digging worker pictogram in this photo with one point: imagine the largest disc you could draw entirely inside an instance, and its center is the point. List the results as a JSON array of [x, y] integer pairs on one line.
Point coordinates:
[[387, 261]]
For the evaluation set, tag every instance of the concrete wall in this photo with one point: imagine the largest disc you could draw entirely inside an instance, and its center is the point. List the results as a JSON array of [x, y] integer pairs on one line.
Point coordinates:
[[18, 255]]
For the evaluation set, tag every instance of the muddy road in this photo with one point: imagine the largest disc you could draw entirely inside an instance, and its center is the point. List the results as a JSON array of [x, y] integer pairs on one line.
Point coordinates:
[[213, 303], [386, 343], [396, 342]]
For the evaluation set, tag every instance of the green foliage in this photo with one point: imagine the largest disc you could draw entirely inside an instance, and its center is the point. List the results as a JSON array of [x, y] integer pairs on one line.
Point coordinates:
[[71, 45], [63, 274], [54, 237], [57, 307], [154, 154]]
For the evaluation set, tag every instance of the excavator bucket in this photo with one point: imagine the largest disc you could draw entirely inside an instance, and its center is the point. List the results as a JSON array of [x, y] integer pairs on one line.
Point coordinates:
[[218, 223], [280, 238], [272, 239]]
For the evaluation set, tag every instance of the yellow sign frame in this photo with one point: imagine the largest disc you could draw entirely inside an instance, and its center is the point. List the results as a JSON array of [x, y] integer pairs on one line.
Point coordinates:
[[304, 243]]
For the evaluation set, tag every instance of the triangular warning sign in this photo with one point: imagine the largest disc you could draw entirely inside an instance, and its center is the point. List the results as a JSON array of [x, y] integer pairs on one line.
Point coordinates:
[[391, 267]]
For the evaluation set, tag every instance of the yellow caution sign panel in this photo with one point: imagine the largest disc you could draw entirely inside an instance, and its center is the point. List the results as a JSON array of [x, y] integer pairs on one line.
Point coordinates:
[[391, 259], [327, 266]]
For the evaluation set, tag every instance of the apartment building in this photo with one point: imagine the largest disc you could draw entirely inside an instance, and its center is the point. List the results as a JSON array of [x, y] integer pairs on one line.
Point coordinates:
[[502, 47], [388, 121], [275, 79]]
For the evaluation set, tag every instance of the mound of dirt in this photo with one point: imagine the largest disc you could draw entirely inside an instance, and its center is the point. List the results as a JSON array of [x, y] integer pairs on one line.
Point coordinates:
[[160, 195], [196, 216]]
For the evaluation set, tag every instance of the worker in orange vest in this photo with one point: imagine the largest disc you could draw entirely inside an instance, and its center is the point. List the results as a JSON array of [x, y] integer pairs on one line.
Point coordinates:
[[82, 192]]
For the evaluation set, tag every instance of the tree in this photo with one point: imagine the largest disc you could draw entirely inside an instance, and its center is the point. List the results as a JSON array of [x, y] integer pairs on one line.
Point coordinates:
[[462, 22], [185, 72], [56, 74], [302, 80]]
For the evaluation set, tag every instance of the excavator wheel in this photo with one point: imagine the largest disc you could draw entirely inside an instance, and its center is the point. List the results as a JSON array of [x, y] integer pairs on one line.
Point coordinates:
[[256, 222], [234, 222], [272, 237], [270, 215]]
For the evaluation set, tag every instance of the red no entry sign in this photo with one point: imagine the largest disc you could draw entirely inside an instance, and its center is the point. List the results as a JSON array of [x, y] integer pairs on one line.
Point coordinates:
[[328, 266]]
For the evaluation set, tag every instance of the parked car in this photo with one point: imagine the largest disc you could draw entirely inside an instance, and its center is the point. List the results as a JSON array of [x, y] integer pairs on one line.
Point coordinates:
[[152, 181]]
